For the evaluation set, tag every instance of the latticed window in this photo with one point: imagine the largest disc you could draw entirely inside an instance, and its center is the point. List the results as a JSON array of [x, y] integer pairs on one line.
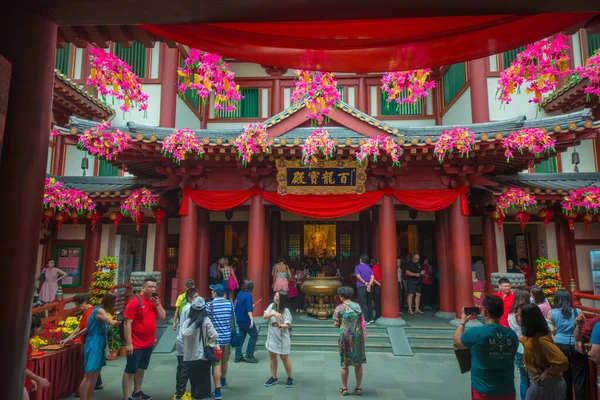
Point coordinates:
[[509, 56], [546, 166], [249, 107], [392, 108], [135, 56], [107, 169], [593, 43], [453, 80], [63, 59], [294, 247], [345, 246]]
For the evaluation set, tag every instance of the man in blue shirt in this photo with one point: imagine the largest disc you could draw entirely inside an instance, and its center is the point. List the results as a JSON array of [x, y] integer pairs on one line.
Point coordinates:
[[220, 311], [243, 314], [594, 339], [364, 282], [493, 348]]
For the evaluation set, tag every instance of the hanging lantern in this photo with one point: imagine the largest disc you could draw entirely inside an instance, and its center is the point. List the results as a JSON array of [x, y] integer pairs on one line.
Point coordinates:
[[75, 217], [61, 218], [48, 214], [588, 219], [94, 217], [498, 216], [159, 215], [546, 214], [138, 219], [570, 217], [522, 218], [116, 217]]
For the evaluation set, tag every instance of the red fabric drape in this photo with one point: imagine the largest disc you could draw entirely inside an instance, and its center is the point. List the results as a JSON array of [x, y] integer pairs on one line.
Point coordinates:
[[370, 45], [63, 368], [325, 207]]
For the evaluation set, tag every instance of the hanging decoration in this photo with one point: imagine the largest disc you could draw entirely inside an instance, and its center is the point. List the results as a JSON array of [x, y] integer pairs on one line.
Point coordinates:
[[181, 143], [570, 217], [515, 198], [54, 133], [209, 73], [94, 217], [136, 202], [113, 77], [591, 71], [546, 214], [159, 214], [522, 218], [103, 141], [61, 217], [116, 217], [458, 139], [62, 203], [498, 216], [588, 219], [48, 215], [539, 65], [587, 199], [415, 82], [548, 277], [317, 142], [374, 146], [535, 140], [318, 91], [252, 140], [74, 216]]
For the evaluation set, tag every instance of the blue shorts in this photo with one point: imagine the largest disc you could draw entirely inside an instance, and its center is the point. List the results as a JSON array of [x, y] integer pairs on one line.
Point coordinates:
[[140, 359]]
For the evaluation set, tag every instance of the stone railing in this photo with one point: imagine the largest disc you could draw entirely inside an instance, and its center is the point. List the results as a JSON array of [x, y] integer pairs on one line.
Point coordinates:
[[516, 280]]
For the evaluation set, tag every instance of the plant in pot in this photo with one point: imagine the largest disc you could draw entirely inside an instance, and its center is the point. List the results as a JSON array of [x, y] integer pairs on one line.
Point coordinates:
[[114, 342]]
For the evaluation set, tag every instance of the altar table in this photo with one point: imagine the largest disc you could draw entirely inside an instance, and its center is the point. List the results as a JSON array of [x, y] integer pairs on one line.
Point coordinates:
[[63, 368]]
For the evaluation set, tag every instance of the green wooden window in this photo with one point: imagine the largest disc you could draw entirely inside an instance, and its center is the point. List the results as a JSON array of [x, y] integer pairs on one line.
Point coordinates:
[[189, 94], [593, 43], [342, 91], [392, 108], [509, 56], [453, 80], [294, 247], [135, 56], [62, 61], [546, 166], [249, 107], [107, 169], [345, 246]]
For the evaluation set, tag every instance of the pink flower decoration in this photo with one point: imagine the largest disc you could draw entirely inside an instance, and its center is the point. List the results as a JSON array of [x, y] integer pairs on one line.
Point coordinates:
[[586, 198], [104, 142], [60, 198], [138, 200], [415, 82], [178, 144], [112, 76], [591, 71], [252, 140], [54, 133], [209, 73], [374, 146], [515, 198], [532, 139], [458, 139], [317, 90], [317, 142]]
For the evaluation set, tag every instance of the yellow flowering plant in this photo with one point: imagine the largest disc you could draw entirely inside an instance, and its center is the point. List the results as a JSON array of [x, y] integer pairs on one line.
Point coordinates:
[[37, 342], [103, 279], [548, 277], [67, 326], [186, 396]]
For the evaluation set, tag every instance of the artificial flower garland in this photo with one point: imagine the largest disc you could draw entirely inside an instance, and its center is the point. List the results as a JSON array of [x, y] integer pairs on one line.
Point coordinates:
[[458, 139], [181, 143], [135, 202], [587, 199], [253, 139], [548, 277], [103, 279], [113, 77], [515, 198], [373, 147], [209, 73], [416, 82], [103, 141], [60, 202], [591, 71], [533, 139], [318, 91], [317, 142]]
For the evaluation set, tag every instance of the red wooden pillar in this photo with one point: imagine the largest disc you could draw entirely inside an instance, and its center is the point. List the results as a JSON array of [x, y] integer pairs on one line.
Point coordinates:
[[256, 241], [276, 101], [188, 234], [160, 255], [93, 253], [57, 156], [23, 170], [169, 60], [490, 255], [363, 99], [446, 277], [461, 244], [562, 249], [203, 249], [267, 264], [479, 93], [376, 234], [389, 276]]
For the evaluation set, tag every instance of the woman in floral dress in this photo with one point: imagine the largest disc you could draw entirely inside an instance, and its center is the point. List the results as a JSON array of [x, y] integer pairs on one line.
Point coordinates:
[[349, 319]]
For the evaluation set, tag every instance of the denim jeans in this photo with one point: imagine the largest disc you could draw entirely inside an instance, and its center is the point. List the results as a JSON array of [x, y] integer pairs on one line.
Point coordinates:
[[253, 333], [524, 376]]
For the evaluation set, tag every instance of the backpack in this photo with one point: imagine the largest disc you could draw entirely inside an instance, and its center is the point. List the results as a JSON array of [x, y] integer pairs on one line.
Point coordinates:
[[121, 317]]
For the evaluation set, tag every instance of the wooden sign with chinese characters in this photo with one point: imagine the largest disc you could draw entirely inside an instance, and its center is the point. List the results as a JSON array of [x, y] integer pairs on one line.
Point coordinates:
[[325, 177]]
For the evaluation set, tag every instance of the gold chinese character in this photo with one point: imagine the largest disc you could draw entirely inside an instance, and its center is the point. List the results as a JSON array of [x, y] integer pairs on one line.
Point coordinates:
[[313, 175], [344, 177], [328, 178], [298, 178]]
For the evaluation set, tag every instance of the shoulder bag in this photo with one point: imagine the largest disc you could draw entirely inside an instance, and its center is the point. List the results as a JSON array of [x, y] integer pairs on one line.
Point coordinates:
[[236, 340], [211, 353], [42, 277]]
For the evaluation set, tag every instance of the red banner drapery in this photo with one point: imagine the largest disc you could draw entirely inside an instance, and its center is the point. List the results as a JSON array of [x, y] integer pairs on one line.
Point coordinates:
[[395, 44], [325, 206]]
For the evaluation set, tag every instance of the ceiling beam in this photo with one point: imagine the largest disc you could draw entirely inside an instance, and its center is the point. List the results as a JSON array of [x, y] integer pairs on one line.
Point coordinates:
[[96, 37], [72, 37], [143, 36], [118, 35]]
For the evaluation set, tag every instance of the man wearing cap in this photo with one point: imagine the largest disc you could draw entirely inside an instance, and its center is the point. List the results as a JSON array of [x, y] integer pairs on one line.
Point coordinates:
[[181, 302], [220, 311]]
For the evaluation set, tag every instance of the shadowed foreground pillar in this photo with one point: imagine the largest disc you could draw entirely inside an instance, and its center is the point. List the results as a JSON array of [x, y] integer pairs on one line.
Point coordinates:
[[461, 245], [188, 234], [256, 241], [202, 251], [445, 272]]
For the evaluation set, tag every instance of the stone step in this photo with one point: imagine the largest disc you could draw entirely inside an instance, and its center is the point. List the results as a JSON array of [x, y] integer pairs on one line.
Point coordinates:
[[326, 346], [432, 348]]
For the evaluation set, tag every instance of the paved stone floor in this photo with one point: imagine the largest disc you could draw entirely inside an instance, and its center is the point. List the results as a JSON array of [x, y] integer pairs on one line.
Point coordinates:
[[422, 377]]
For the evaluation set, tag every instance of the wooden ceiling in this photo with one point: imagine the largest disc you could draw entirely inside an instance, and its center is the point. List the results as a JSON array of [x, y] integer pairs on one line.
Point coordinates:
[[101, 35]]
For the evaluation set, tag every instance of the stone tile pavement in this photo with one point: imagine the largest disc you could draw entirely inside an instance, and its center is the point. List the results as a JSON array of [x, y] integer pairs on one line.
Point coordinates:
[[422, 377]]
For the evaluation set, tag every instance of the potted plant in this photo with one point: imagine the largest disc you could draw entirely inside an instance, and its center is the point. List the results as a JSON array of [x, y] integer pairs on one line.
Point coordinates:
[[114, 342]]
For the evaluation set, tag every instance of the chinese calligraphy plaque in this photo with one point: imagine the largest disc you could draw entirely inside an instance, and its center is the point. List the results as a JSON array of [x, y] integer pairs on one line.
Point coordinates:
[[325, 177]]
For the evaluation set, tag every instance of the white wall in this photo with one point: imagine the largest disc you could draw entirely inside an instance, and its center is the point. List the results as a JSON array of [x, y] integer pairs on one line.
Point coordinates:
[[152, 114], [518, 106], [374, 93], [247, 70], [73, 158], [150, 244], [351, 100], [49, 161], [184, 116], [155, 63], [577, 61], [71, 232], [460, 112], [586, 157], [287, 92], [78, 63], [264, 107], [500, 250]]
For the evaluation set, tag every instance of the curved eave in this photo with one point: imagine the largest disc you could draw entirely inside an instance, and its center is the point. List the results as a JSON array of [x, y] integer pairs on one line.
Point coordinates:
[[102, 108]]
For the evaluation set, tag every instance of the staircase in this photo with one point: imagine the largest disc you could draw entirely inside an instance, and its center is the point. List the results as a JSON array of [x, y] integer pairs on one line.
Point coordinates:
[[427, 334]]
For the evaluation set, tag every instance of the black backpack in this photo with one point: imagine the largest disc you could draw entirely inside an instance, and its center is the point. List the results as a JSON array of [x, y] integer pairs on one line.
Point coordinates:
[[121, 317]]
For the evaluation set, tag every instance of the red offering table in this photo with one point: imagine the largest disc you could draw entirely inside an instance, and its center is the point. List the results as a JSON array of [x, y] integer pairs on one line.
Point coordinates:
[[63, 368]]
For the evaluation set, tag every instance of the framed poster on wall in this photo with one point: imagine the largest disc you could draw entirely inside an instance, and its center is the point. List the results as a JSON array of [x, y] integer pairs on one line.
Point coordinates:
[[69, 258], [522, 247]]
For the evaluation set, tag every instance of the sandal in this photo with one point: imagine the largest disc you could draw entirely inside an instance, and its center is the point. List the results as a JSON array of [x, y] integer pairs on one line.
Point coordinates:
[[411, 312], [358, 391], [420, 312], [344, 392]]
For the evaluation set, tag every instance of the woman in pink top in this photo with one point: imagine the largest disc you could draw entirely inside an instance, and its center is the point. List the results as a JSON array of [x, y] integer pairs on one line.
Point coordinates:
[[540, 299], [50, 283]]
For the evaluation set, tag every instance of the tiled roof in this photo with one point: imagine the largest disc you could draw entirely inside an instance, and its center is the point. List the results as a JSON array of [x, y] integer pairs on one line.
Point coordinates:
[[549, 183], [104, 187], [80, 89]]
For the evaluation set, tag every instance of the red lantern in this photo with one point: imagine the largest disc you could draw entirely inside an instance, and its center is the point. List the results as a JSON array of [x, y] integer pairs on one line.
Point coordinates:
[[546, 214], [138, 220], [498, 216], [588, 219], [571, 216], [48, 214], [116, 217], [61, 218], [75, 217], [523, 218], [94, 217], [159, 216]]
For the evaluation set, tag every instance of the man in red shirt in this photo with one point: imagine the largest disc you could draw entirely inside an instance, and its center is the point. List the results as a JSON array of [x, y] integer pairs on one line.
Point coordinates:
[[507, 297], [376, 289], [140, 317]]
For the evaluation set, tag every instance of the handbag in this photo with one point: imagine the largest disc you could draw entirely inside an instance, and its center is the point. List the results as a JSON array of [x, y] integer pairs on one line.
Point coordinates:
[[231, 283], [211, 353], [236, 340], [42, 277]]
